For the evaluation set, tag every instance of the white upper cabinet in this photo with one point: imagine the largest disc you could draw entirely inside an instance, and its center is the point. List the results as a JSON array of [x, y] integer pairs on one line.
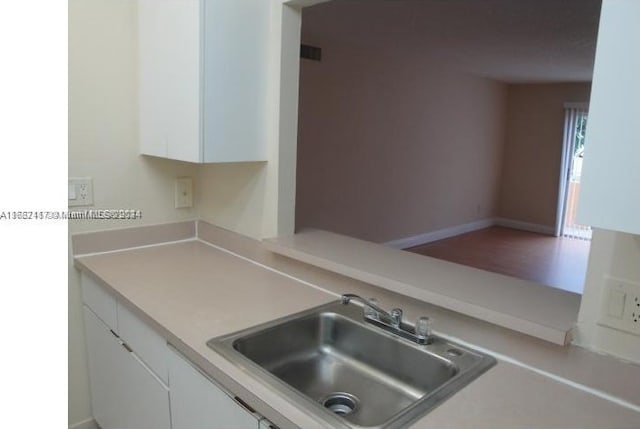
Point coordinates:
[[202, 79], [610, 196]]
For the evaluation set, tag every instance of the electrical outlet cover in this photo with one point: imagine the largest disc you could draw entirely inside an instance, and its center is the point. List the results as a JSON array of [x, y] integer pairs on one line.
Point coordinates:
[[621, 305], [80, 191]]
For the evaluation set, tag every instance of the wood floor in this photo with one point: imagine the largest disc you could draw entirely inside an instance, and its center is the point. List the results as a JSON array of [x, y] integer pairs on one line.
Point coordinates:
[[556, 262]]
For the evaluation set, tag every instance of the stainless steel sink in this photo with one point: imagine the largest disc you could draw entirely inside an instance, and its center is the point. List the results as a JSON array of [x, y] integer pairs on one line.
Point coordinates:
[[347, 373]]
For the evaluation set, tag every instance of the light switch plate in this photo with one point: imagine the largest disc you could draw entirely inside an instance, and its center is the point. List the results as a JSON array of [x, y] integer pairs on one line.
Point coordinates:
[[621, 305], [80, 191], [183, 192]]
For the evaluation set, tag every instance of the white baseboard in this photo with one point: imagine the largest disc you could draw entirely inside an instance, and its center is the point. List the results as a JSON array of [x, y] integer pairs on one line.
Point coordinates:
[[85, 424], [525, 226], [440, 234]]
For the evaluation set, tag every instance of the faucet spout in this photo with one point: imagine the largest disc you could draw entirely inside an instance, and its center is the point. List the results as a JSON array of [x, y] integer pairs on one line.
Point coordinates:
[[347, 297]]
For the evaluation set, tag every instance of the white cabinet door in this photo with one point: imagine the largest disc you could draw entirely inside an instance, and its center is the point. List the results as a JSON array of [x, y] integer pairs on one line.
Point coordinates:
[[197, 403], [202, 79], [610, 195], [124, 393], [169, 78]]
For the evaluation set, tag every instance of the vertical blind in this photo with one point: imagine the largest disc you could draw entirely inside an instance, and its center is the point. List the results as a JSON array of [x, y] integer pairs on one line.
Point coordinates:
[[574, 126]]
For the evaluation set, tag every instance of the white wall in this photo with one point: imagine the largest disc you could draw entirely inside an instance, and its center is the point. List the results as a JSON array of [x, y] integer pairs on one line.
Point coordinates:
[[610, 171], [614, 254], [232, 196], [613, 108]]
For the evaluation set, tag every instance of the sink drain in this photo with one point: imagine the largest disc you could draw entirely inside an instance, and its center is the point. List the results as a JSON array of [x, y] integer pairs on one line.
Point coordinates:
[[340, 403]]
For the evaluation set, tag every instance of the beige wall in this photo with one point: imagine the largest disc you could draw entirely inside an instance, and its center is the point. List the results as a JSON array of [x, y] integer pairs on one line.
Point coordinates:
[[233, 196], [392, 145], [614, 254], [533, 147]]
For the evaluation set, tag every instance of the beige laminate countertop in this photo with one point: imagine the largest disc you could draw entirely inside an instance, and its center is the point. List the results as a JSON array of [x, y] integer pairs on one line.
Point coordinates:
[[521, 305], [192, 291]]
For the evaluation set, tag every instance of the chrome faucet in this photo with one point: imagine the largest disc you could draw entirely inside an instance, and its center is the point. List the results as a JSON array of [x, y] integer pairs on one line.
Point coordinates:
[[391, 321], [347, 297]]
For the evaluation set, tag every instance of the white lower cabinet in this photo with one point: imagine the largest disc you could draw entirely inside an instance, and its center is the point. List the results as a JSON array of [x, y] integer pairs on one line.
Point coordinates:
[[125, 394], [197, 403]]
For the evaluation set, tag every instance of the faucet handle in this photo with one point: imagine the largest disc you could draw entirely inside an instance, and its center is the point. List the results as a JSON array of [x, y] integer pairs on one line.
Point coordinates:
[[423, 327], [396, 317], [371, 312]]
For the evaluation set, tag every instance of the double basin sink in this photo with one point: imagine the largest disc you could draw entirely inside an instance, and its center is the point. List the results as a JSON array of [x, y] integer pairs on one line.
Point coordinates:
[[347, 373]]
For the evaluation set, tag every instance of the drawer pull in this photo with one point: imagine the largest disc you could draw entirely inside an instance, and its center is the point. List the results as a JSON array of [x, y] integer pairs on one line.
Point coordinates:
[[244, 405]]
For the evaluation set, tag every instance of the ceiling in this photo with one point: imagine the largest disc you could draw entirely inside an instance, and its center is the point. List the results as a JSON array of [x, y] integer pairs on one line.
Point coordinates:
[[512, 41]]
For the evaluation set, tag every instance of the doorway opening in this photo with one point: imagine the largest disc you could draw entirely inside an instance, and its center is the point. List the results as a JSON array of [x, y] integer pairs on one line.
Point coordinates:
[[576, 117]]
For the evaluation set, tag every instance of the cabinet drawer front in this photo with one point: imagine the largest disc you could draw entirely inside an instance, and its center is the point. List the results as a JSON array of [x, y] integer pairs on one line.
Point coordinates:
[[150, 347], [101, 302]]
